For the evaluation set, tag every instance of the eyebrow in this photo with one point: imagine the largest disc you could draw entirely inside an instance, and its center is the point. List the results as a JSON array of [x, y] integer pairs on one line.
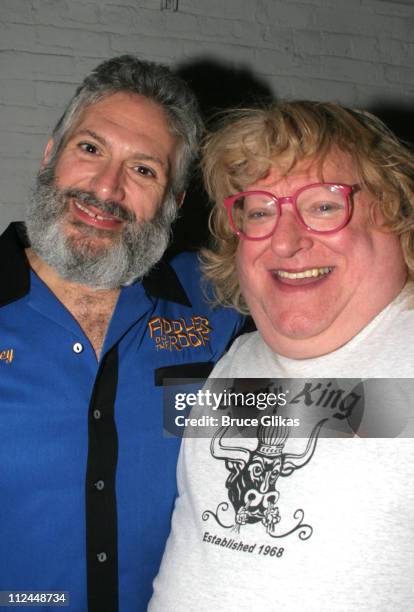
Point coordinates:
[[137, 154]]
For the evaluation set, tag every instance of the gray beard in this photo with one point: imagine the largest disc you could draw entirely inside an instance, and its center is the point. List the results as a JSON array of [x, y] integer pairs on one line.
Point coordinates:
[[131, 255]]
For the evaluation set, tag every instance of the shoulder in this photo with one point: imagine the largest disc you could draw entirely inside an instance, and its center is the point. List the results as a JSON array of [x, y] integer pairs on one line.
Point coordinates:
[[187, 268], [183, 259], [217, 324]]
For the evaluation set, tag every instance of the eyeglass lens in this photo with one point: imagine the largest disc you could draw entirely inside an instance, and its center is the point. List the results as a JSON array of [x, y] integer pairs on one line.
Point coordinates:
[[322, 208]]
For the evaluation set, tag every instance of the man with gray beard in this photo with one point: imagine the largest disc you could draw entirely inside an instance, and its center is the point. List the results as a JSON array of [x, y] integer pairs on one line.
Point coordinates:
[[92, 320], [141, 246]]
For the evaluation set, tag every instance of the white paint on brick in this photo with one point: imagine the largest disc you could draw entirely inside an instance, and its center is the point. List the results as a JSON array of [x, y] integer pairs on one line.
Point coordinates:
[[54, 94], [357, 52], [16, 92], [283, 13]]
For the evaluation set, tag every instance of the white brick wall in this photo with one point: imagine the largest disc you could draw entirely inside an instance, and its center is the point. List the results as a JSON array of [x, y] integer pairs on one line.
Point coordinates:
[[358, 52]]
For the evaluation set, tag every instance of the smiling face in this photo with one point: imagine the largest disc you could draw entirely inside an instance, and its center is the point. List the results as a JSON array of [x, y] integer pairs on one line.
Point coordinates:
[[102, 209], [121, 151], [309, 294]]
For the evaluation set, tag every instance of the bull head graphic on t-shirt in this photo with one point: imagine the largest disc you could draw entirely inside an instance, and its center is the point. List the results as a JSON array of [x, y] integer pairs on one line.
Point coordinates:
[[254, 475]]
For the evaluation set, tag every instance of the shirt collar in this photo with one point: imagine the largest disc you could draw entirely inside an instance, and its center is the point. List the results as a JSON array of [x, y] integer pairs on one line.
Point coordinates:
[[161, 282]]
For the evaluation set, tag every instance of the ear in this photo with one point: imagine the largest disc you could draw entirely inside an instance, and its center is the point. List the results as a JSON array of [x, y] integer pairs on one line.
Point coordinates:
[[376, 216], [180, 198], [47, 153]]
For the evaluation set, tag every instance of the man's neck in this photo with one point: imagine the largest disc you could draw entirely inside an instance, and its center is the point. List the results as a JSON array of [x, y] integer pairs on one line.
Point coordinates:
[[92, 308]]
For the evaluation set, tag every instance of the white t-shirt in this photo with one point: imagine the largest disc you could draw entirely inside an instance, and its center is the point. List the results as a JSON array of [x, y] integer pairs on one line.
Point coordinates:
[[329, 527]]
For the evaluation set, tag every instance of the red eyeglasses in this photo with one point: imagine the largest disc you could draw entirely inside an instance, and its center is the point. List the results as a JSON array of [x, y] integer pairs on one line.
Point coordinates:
[[322, 208]]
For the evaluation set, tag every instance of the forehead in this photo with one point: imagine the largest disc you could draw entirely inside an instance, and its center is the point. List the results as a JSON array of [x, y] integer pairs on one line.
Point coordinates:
[[336, 167]]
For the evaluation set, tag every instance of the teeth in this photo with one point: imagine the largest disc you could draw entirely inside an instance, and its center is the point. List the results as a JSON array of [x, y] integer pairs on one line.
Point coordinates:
[[92, 214], [312, 272]]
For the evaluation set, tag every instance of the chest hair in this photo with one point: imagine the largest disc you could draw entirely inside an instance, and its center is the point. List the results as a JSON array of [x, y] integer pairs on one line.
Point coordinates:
[[92, 308], [93, 313]]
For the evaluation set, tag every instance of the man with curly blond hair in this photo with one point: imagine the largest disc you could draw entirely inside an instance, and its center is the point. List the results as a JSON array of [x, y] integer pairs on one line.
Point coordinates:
[[313, 223]]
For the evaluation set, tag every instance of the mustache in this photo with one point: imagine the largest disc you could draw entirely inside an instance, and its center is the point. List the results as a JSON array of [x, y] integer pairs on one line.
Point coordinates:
[[106, 206]]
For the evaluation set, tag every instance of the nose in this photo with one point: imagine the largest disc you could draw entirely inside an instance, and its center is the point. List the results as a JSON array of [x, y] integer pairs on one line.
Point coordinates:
[[264, 486], [290, 236], [108, 181]]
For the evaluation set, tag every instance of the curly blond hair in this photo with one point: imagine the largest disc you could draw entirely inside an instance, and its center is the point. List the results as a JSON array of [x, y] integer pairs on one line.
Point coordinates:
[[249, 141]]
